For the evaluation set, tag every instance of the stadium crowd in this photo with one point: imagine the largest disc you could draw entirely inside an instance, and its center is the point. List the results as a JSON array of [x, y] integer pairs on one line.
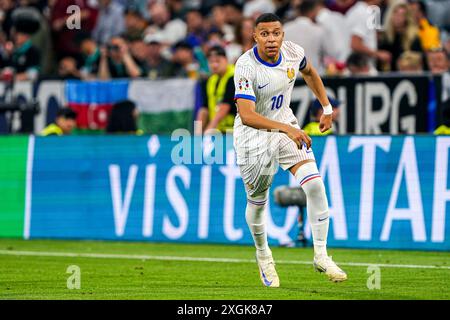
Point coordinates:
[[201, 40], [159, 39]]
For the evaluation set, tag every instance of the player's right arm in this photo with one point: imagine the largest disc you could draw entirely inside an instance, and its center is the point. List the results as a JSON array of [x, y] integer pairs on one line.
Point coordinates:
[[251, 118]]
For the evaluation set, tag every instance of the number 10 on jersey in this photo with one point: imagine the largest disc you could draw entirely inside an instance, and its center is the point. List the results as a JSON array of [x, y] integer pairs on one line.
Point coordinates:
[[277, 102]]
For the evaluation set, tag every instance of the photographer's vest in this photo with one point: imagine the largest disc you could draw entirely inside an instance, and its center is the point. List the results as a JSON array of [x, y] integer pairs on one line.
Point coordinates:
[[52, 130], [215, 90]]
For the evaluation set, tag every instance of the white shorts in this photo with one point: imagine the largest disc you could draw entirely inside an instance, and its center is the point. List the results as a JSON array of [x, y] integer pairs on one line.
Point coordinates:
[[257, 171]]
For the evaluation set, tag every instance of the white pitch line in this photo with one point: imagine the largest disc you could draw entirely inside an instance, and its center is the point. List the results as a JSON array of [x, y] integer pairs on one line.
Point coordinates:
[[28, 187], [199, 259]]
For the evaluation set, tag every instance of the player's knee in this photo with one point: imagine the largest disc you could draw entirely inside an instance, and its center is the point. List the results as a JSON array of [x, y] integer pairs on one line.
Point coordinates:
[[257, 199]]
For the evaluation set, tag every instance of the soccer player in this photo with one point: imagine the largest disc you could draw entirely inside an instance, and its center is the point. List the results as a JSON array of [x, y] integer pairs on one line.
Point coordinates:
[[266, 133]]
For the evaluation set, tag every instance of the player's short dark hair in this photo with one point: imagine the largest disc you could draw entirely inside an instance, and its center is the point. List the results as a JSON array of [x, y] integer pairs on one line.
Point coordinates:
[[267, 17], [66, 113]]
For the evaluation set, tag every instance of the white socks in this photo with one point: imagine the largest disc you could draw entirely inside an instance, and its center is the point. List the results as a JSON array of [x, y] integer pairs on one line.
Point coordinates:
[[317, 205], [255, 215]]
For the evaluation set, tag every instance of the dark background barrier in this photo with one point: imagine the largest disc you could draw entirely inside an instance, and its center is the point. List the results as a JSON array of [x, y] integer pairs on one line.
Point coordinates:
[[391, 104]]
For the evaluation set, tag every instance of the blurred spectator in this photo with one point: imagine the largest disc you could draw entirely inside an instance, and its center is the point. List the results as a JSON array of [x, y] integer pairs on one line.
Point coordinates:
[[42, 39], [64, 123], [184, 64], [110, 21], [156, 66], [446, 42], [123, 118], [138, 51], [22, 56], [196, 34], [316, 111], [233, 12], [117, 62], [135, 24], [139, 5], [218, 109], [214, 38], [169, 30], [287, 9], [438, 13], [64, 38], [428, 34], [363, 35], [176, 8], [243, 40], [341, 6], [400, 32], [6, 9], [437, 61], [310, 35], [439, 64], [410, 62], [254, 8], [336, 31], [67, 69], [220, 23], [358, 64], [90, 57]]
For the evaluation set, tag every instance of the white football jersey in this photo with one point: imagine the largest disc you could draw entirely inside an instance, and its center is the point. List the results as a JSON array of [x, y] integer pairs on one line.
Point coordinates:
[[270, 86]]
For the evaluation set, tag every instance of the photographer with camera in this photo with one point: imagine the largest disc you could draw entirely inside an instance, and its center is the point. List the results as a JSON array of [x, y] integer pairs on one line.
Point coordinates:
[[116, 61]]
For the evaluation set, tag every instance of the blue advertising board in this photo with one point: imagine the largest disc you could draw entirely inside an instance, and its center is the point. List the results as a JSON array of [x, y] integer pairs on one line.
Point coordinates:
[[383, 191]]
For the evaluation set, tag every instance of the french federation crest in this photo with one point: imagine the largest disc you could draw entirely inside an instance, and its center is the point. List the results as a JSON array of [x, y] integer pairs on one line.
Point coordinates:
[[290, 73]]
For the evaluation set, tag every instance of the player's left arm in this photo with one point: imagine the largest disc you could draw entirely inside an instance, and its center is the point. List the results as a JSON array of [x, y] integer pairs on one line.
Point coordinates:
[[315, 83]]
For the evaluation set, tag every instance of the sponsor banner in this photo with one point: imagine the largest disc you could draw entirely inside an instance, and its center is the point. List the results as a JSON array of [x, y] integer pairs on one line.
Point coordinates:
[[164, 105], [373, 105], [383, 191], [13, 164]]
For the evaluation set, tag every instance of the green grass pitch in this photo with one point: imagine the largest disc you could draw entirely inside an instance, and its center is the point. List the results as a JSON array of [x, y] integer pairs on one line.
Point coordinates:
[[36, 269]]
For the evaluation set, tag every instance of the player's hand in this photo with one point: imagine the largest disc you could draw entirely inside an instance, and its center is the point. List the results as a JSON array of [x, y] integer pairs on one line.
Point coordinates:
[[300, 137], [326, 121]]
